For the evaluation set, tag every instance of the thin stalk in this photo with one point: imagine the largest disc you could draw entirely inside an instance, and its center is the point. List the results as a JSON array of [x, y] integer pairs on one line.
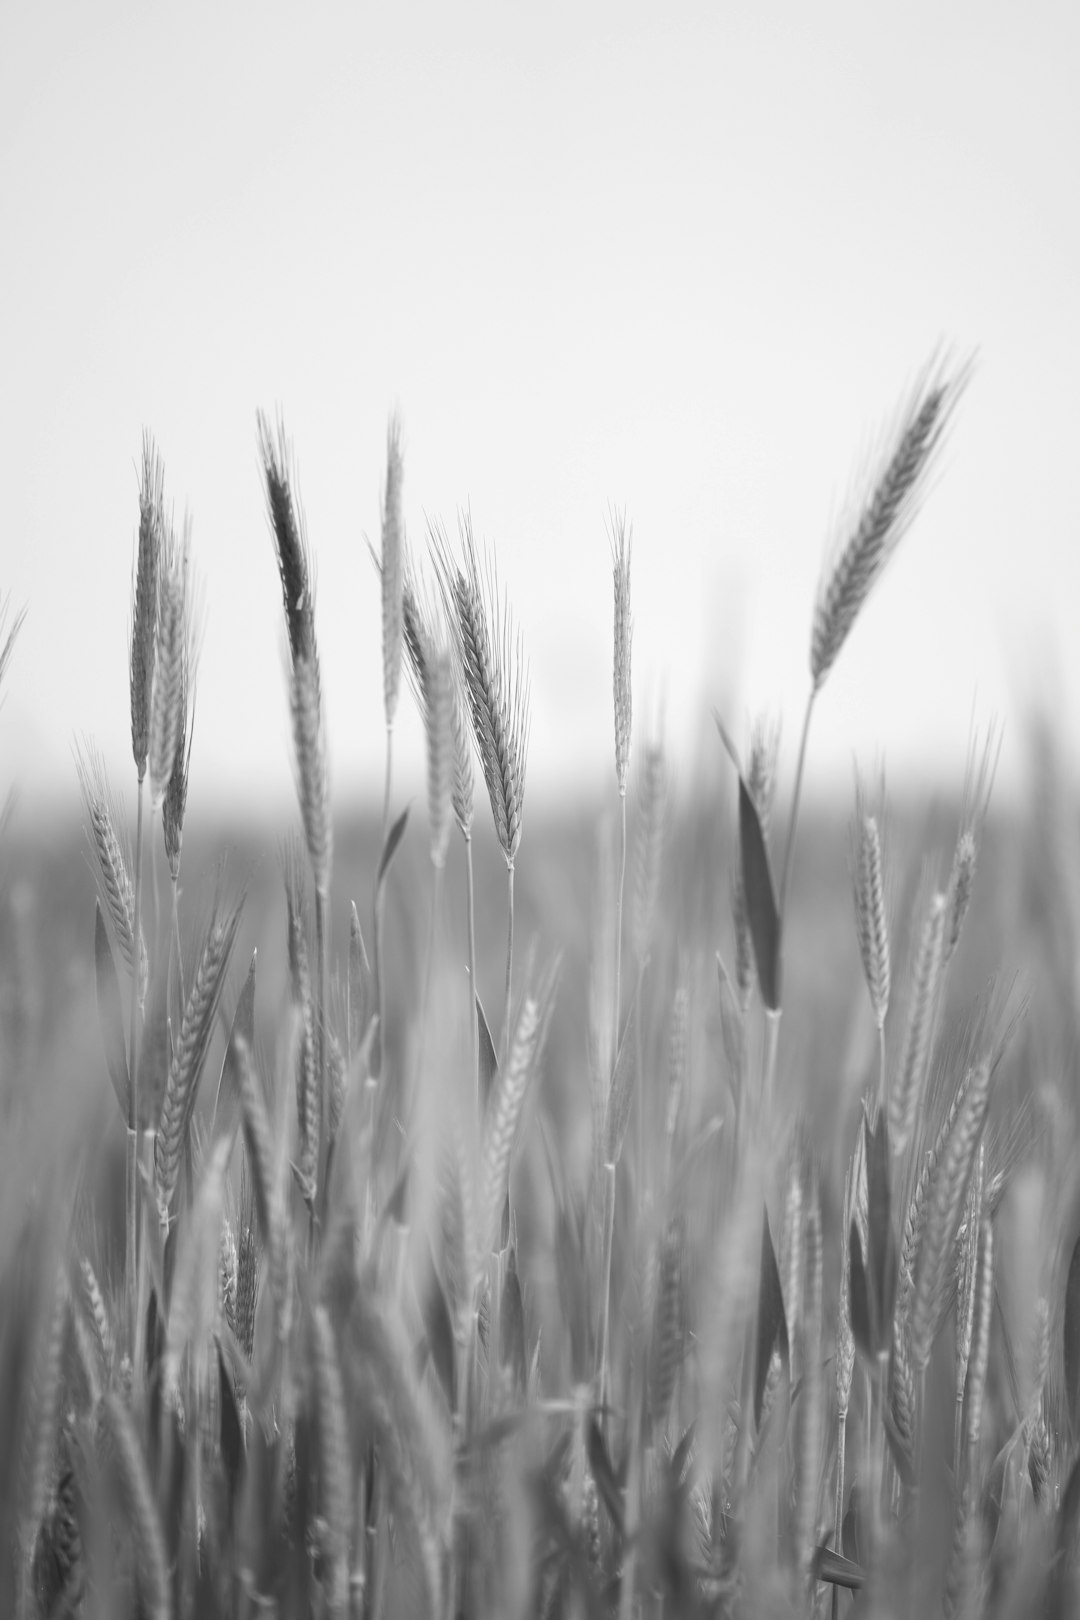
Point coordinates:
[[605, 1297], [322, 957], [772, 1042], [633, 1508], [639, 1100], [132, 1188], [789, 851], [386, 787], [838, 1517], [509, 955], [958, 1437], [618, 922], [883, 1098], [474, 1023], [176, 943]]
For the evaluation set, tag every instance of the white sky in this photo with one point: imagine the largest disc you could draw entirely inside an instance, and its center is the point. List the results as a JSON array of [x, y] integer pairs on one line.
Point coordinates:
[[678, 259]]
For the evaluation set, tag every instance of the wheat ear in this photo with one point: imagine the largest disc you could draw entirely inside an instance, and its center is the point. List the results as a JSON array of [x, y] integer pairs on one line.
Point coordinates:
[[622, 688], [189, 1055], [881, 512], [950, 1188], [497, 687], [906, 1096], [870, 915], [167, 717], [145, 600]]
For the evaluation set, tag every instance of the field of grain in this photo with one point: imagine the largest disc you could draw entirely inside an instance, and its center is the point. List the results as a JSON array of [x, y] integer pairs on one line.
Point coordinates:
[[664, 1210]]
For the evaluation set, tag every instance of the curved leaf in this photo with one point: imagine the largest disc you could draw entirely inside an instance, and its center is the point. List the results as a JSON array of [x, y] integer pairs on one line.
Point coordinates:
[[227, 1103], [772, 1333], [761, 909], [489, 1063], [389, 850]]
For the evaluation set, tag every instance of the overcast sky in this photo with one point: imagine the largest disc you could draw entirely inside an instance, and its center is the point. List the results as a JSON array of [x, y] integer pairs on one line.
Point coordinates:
[[681, 260]]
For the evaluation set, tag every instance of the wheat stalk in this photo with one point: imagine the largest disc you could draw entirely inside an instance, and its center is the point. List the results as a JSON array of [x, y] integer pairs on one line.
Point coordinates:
[[334, 1461]]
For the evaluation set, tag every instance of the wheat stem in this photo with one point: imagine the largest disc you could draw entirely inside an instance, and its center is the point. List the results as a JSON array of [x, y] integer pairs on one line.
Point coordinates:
[[322, 966], [605, 1295], [386, 783], [789, 851], [618, 921], [838, 1516], [474, 1022], [132, 1202], [509, 955]]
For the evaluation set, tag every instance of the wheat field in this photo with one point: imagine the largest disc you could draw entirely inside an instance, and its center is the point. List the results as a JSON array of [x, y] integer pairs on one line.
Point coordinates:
[[666, 1212]]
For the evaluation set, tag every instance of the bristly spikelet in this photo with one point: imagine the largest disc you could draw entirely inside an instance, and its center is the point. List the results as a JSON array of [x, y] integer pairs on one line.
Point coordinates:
[[906, 1094], [336, 1086], [111, 861], [174, 805], [870, 914], [495, 678], [879, 515], [949, 1191], [45, 1406], [99, 1316], [144, 607], [422, 645], [189, 1054], [227, 1267], [307, 1078], [313, 778], [621, 547], [967, 1254], [247, 1279], [290, 542], [267, 1190], [961, 883], [392, 569], [167, 707], [462, 790], [417, 632], [649, 844], [980, 1345], [668, 1336]]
